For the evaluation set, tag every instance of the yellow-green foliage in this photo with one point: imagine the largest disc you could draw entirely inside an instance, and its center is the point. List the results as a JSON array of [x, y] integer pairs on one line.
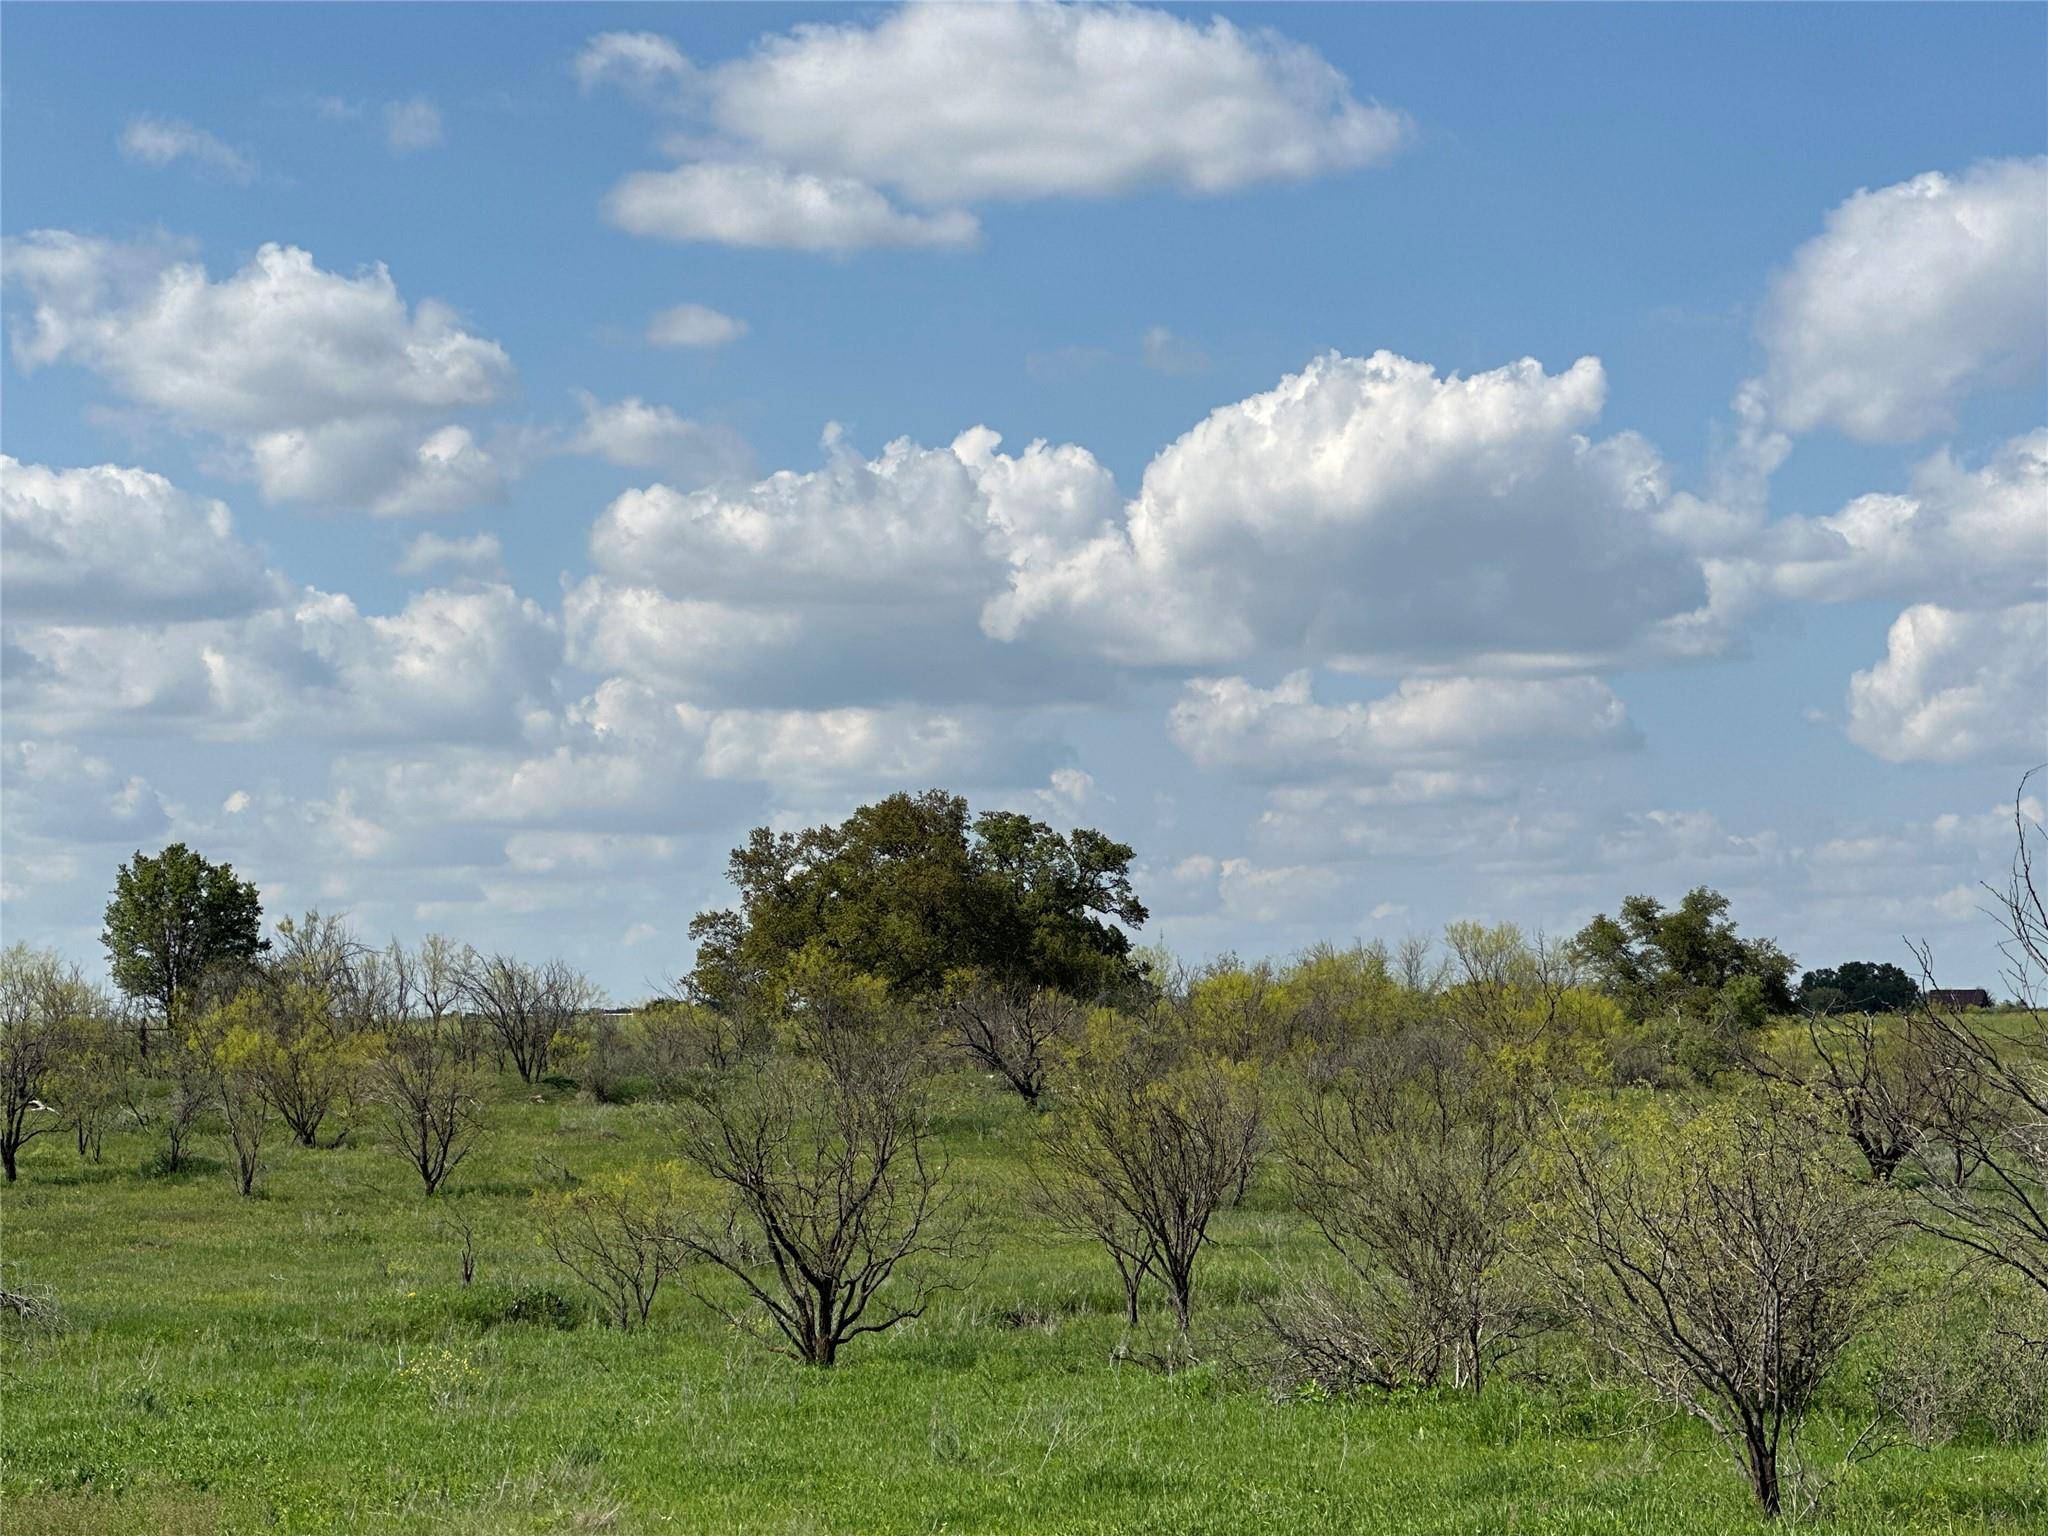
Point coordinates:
[[286, 1040], [615, 1232], [827, 1009]]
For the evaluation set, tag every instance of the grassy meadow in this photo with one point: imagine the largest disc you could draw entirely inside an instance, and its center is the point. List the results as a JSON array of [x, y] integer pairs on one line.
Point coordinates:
[[311, 1361]]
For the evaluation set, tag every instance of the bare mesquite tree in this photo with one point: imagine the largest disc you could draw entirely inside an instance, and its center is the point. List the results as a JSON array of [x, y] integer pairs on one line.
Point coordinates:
[[680, 1041], [1416, 966], [1014, 1032], [615, 1235], [1412, 1159], [1986, 1154], [834, 1207], [529, 1007], [427, 1087], [1155, 1139], [1878, 1082], [321, 951], [1085, 1208], [244, 1110], [44, 1005], [185, 1075], [1723, 1260], [232, 1046], [312, 1057], [93, 1078]]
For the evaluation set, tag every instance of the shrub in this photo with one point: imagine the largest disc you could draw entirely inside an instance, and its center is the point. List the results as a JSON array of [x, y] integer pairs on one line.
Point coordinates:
[[614, 1234]]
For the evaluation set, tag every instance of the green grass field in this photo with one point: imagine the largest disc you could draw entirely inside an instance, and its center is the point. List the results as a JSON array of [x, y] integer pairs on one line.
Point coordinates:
[[310, 1361]]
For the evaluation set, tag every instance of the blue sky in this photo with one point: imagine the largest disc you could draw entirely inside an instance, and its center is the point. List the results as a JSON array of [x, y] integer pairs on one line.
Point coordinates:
[[366, 527]]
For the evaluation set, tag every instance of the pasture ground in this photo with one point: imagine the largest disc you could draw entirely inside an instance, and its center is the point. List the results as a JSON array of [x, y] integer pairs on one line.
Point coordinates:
[[310, 1362]]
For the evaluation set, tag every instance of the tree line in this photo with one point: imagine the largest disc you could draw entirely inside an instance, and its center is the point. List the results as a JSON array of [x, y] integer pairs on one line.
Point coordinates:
[[1640, 1136]]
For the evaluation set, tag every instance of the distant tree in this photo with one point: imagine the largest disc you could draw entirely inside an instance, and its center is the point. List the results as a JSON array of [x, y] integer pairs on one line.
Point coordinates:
[[1013, 1032], [183, 1071], [680, 1040], [1650, 957], [532, 1008], [306, 1058], [429, 1089], [1858, 986], [237, 1051], [94, 1076], [1688, 972], [172, 919], [614, 1234], [1077, 1205], [1881, 1086], [910, 890]]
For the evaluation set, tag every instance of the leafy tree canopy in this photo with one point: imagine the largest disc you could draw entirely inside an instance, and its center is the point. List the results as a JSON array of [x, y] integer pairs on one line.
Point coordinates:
[[1858, 986], [1650, 958], [174, 918], [911, 890]]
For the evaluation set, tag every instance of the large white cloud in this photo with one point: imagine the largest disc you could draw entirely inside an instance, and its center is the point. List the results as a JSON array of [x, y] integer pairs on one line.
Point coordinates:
[[327, 388], [909, 521], [1956, 687], [632, 757], [59, 793], [1021, 101], [120, 544], [1368, 508], [1969, 538], [987, 102], [860, 581], [1366, 512], [683, 644], [448, 666], [1283, 733], [1912, 296]]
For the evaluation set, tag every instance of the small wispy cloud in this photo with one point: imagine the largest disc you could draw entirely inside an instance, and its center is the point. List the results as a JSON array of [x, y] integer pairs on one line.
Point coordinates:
[[152, 140], [411, 126], [1174, 356], [693, 325]]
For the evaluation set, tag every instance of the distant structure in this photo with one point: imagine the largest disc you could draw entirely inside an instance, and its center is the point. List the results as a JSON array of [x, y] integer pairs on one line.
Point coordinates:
[[1958, 997]]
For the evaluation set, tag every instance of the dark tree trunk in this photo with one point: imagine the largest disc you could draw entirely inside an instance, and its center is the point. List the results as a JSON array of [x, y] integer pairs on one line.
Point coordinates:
[[1763, 1471]]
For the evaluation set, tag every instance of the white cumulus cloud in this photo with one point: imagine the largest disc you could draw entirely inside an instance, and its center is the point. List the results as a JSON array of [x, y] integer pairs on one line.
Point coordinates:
[[1283, 733], [113, 543], [1369, 509], [985, 103], [1955, 687], [1912, 296], [635, 435], [328, 387], [1963, 537]]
